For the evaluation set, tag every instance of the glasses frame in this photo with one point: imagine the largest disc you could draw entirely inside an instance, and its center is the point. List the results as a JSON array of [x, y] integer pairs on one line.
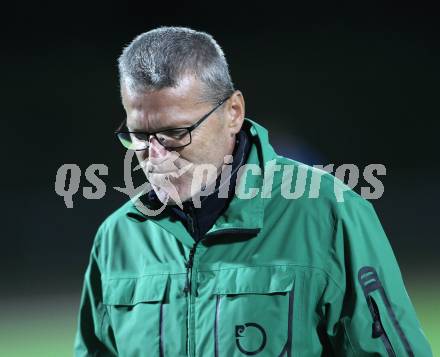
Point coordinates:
[[189, 128]]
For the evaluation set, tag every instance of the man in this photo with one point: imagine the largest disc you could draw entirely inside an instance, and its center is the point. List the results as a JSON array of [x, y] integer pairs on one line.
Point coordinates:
[[231, 263]]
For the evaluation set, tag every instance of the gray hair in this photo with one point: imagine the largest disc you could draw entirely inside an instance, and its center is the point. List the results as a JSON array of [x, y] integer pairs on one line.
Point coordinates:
[[161, 57]]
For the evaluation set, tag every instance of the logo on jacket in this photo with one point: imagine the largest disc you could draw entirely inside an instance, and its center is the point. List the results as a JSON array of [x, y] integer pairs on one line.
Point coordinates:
[[253, 330]]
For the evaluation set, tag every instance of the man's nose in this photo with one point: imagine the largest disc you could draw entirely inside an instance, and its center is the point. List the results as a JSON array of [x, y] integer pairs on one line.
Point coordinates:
[[155, 149]]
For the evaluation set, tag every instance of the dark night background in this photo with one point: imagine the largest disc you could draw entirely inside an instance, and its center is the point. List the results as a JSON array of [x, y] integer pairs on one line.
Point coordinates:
[[333, 84]]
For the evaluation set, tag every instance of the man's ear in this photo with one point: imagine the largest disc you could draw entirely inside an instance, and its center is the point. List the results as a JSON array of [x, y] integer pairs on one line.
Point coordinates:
[[235, 112]]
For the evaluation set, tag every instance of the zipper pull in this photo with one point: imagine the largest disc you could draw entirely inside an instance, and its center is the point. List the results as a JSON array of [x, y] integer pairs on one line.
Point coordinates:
[[188, 266], [187, 287]]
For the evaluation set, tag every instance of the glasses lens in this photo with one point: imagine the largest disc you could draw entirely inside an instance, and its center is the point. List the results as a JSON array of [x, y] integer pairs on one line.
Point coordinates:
[[174, 138], [133, 141]]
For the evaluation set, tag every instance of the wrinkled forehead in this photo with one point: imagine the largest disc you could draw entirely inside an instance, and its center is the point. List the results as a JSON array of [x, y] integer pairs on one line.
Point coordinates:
[[165, 108]]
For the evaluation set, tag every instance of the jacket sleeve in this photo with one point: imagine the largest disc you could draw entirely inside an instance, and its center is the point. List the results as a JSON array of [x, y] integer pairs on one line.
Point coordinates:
[[93, 335], [369, 312]]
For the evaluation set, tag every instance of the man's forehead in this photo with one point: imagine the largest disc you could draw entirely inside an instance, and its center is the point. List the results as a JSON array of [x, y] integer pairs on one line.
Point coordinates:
[[162, 109], [186, 94]]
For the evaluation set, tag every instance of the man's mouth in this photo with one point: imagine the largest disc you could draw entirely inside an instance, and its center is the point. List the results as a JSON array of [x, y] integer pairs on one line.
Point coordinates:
[[153, 171], [170, 166], [176, 172]]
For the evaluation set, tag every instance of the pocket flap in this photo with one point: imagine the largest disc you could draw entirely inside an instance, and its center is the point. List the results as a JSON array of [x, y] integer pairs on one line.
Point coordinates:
[[253, 280], [131, 291]]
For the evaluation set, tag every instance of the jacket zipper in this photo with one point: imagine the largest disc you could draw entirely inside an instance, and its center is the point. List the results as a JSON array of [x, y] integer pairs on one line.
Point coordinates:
[[217, 314], [369, 281], [189, 294], [188, 289]]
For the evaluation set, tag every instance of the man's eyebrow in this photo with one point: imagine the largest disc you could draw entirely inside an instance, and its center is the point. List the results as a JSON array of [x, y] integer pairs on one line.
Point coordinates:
[[135, 130]]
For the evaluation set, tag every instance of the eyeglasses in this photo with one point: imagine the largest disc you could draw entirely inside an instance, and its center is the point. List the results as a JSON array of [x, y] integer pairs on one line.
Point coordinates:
[[169, 138]]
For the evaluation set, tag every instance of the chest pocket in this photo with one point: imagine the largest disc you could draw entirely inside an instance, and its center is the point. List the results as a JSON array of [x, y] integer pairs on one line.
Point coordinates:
[[147, 315], [254, 311]]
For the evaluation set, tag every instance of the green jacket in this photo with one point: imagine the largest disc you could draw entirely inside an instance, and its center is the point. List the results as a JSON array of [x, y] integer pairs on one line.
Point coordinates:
[[308, 276]]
